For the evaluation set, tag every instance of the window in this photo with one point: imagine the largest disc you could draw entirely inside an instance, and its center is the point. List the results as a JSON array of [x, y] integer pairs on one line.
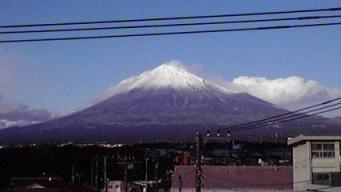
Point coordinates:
[[322, 150], [321, 178], [327, 178]]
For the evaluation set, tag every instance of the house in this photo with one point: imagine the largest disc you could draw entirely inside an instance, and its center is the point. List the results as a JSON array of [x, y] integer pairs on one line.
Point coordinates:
[[115, 186], [316, 163], [44, 184], [234, 178], [133, 186]]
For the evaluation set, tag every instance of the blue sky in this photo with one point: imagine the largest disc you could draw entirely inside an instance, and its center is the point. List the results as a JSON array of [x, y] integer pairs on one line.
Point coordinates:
[[61, 76]]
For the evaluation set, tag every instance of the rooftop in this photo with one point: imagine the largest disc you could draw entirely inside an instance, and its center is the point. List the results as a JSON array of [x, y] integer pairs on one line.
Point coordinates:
[[302, 138], [35, 184], [235, 177]]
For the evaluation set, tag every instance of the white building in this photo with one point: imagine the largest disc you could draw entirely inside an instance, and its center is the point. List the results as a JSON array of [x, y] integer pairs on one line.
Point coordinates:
[[316, 163]]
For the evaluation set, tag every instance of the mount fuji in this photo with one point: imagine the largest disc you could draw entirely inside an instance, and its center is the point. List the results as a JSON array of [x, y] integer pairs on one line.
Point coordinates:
[[165, 103]]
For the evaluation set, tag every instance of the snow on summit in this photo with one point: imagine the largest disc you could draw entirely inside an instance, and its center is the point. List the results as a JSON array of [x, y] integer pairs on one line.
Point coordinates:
[[171, 74], [168, 75]]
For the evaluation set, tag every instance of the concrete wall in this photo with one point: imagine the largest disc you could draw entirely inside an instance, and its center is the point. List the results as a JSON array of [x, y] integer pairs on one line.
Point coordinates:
[[301, 166]]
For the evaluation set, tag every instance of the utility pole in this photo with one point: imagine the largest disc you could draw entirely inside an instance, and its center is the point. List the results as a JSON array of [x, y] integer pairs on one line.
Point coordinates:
[[146, 175], [96, 173], [92, 174], [180, 182], [156, 177], [156, 171], [124, 163], [198, 163], [73, 174], [126, 174], [105, 173]]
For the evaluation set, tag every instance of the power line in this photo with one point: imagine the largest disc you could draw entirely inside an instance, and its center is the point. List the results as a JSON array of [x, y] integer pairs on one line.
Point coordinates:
[[285, 114], [292, 119], [273, 118], [287, 117], [309, 115], [302, 116], [171, 33], [172, 18], [283, 118], [171, 25]]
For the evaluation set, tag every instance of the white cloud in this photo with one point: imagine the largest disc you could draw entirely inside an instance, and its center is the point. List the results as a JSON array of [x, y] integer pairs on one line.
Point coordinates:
[[285, 92], [289, 92], [4, 123], [20, 114]]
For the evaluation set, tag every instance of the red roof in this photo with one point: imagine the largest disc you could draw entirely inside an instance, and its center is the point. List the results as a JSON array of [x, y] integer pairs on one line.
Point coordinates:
[[236, 177]]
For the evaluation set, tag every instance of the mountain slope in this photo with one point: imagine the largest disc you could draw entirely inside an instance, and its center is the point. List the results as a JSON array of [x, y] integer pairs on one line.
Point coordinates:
[[167, 102], [169, 94]]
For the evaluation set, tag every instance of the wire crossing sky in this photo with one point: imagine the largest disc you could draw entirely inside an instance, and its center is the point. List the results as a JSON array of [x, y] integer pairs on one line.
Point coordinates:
[[276, 27], [144, 34], [165, 25], [66, 75], [174, 18]]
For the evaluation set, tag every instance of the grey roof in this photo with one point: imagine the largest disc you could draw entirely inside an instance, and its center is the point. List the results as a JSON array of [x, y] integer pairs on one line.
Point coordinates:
[[302, 138]]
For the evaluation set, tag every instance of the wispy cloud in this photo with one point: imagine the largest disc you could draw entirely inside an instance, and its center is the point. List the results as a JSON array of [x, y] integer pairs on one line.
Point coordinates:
[[20, 114]]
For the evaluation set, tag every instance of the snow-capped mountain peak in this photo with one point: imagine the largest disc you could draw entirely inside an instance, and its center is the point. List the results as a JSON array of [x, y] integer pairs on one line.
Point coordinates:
[[170, 75], [167, 102]]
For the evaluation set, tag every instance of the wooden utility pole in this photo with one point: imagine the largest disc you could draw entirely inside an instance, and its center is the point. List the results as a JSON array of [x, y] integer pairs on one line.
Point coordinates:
[[156, 177], [180, 183], [198, 163], [146, 173], [105, 173], [124, 163], [126, 174], [73, 174], [96, 173], [92, 174]]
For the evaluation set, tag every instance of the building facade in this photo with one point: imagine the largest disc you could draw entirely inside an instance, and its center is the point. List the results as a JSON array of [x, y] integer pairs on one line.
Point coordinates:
[[316, 163]]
